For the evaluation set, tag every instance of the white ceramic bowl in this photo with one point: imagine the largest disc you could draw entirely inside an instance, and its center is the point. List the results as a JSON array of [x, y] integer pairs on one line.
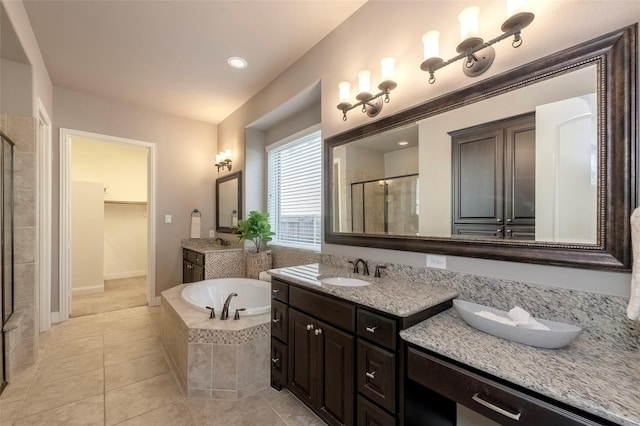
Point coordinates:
[[558, 335]]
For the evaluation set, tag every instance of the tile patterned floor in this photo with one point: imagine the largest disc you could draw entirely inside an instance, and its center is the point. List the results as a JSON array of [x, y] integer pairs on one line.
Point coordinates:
[[109, 369], [118, 294]]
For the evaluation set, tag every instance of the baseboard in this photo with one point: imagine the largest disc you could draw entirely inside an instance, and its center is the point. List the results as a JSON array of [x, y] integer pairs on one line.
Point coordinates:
[[55, 317], [126, 274], [87, 290], [157, 301]]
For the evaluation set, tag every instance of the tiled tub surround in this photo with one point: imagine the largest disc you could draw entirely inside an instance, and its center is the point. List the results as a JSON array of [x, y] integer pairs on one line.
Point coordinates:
[[219, 261], [213, 358]]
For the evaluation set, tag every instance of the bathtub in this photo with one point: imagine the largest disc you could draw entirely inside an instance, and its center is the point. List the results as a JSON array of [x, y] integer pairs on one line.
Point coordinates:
[[253, 295]]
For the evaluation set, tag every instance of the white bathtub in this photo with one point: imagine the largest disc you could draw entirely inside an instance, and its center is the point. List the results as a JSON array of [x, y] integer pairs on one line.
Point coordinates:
[[253, 295]]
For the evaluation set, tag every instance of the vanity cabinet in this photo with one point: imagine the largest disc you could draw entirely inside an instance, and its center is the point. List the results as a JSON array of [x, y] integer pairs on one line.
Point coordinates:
[[343, 360], [192, 266], [494, 179], [437, 384]]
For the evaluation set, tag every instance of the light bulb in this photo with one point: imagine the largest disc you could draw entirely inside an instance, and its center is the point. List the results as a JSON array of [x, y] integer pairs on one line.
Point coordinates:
[[469, 22], [364, 81], [345, 91], [227, 154], [431, 44], [388, 65]]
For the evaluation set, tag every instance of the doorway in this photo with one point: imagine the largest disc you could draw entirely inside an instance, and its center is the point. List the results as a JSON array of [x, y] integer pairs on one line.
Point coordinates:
[[107, 251]]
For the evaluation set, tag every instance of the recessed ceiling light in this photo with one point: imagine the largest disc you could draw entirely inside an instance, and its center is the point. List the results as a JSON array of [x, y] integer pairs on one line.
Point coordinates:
[[237, 62], [403, 143]]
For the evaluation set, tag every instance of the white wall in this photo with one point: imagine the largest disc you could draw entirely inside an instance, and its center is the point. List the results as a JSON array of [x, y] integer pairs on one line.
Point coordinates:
[[351, 47], [87, 227], [125, 240], [16, 95], [186, 175]]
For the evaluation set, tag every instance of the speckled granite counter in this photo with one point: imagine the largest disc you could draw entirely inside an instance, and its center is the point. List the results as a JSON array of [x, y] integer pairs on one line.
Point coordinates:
[[208, 245], [595, 378], [396, 297], [220, 261]]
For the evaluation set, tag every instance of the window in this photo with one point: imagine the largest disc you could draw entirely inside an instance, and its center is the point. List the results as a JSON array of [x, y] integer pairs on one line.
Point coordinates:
[[295, 188]]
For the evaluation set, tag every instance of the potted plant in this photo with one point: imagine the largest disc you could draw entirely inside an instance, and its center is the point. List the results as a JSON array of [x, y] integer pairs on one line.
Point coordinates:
[[256, 228]]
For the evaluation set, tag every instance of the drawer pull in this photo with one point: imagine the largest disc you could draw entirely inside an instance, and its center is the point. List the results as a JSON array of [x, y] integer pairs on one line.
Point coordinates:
[[275, 290], [370, 375], [371, 329], [514, 416], [309, 327], [276, 320], [318, 331], [275, 360]]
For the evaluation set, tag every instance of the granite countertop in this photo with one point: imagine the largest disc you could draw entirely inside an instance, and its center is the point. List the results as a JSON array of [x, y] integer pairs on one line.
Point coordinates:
[[595, 378], [207, 245], [395, 297]]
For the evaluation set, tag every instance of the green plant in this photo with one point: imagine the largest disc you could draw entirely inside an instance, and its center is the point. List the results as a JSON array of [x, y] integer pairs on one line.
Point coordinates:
[[256, 228]]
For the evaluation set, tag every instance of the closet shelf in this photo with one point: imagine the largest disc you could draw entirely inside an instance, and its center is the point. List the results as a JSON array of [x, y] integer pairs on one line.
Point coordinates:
[[139, 203]]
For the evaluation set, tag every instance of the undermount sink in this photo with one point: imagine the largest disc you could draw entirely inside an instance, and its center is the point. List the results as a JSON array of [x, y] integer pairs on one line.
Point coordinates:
[[345, 282]]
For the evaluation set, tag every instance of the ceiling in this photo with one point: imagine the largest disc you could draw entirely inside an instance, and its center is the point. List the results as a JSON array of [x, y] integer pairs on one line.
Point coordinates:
[[171, 55]]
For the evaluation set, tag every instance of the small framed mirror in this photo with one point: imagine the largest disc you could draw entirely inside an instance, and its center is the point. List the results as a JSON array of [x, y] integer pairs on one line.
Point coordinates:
[[228, 202]]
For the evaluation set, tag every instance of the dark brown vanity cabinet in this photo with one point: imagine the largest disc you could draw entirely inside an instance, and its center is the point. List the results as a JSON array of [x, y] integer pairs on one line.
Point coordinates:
[[494, 179], [192, 266]]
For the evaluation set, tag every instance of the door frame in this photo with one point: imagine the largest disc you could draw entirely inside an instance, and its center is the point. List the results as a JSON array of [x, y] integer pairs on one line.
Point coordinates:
[[43, 213], [65, 248]]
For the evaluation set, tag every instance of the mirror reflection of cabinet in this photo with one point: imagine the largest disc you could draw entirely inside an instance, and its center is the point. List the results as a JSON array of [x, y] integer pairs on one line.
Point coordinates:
[[7, 254], [228, 202], [494, 179]]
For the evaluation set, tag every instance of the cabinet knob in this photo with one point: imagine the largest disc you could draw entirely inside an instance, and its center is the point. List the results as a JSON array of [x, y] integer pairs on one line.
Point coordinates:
[[498, 220], [371, 375], [309, 327], [275, 320], [508, 231], [498, 231], [371, 329], [509, 220], [275, 290], [275, 360], [318, 331]]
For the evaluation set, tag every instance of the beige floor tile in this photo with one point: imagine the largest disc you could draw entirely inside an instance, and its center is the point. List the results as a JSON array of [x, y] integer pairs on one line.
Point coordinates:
[[270, 394], [9, 410], [176, 414], [57, 393], [118, 294], [138, 369], [87, 412], [138, 398], [76, 331], [116, 354], [294, 412], [260, 417], [125, 335], [62, 349], [221, 412], [19, 386], [55, 369]]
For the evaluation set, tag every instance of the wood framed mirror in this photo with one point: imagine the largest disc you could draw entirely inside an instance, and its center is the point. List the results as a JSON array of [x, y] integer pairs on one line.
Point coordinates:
[[483, 173], [228, 202]]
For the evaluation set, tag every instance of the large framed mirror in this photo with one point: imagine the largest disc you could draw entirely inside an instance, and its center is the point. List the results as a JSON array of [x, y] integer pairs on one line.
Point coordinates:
[[228, 202], [537, 164]]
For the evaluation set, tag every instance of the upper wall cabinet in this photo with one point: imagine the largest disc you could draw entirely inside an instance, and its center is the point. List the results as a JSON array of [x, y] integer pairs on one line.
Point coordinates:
[[535, 165]]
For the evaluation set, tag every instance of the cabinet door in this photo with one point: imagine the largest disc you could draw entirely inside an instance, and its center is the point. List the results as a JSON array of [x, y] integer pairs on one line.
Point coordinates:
[[279, 321], [278, 364], [477, 177], [520, 170], [336, 364], [303, 364], [198, 273], [187, 271]]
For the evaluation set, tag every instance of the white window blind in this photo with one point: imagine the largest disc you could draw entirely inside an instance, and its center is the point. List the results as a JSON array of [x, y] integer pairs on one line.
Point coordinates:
[[294, 191]]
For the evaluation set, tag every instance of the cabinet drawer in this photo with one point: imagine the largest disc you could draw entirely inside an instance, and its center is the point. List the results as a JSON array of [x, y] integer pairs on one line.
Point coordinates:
[[193, 257], [500, 403], [370, 415], [279, 320], [376, 328], [279, 290], [334, 312], [278, 364], [376, 373]]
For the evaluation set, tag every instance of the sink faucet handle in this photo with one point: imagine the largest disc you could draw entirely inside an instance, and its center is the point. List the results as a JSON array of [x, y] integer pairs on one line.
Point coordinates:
[[237, 315], [212, 315], [356, 268], [378, 267]]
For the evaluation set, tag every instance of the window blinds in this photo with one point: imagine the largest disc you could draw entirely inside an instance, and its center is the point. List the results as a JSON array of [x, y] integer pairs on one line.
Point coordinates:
[[294, 191]]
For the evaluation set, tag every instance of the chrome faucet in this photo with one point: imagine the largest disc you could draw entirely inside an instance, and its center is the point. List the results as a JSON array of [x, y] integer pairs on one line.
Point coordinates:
[[225, 308], [222, 241], [356, 268]]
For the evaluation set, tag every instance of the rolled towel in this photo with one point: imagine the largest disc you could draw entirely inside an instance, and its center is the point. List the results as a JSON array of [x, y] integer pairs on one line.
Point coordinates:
[[523, 318], [493, 317]]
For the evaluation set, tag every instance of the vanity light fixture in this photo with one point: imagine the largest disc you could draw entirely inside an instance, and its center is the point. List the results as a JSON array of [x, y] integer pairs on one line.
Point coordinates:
[[371, 104], [223, 159], [477, 53]]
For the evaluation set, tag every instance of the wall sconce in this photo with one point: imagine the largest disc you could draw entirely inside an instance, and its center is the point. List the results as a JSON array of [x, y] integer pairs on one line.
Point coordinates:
[[223, 159], [476, 62], [371, 104]]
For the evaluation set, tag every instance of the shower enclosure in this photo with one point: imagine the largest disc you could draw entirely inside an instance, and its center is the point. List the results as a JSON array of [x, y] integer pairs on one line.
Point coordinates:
[[6, 242], [385, 206]]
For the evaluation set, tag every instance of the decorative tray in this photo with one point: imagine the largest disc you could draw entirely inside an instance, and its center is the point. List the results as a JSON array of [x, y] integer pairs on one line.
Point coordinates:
[[558, 335]]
